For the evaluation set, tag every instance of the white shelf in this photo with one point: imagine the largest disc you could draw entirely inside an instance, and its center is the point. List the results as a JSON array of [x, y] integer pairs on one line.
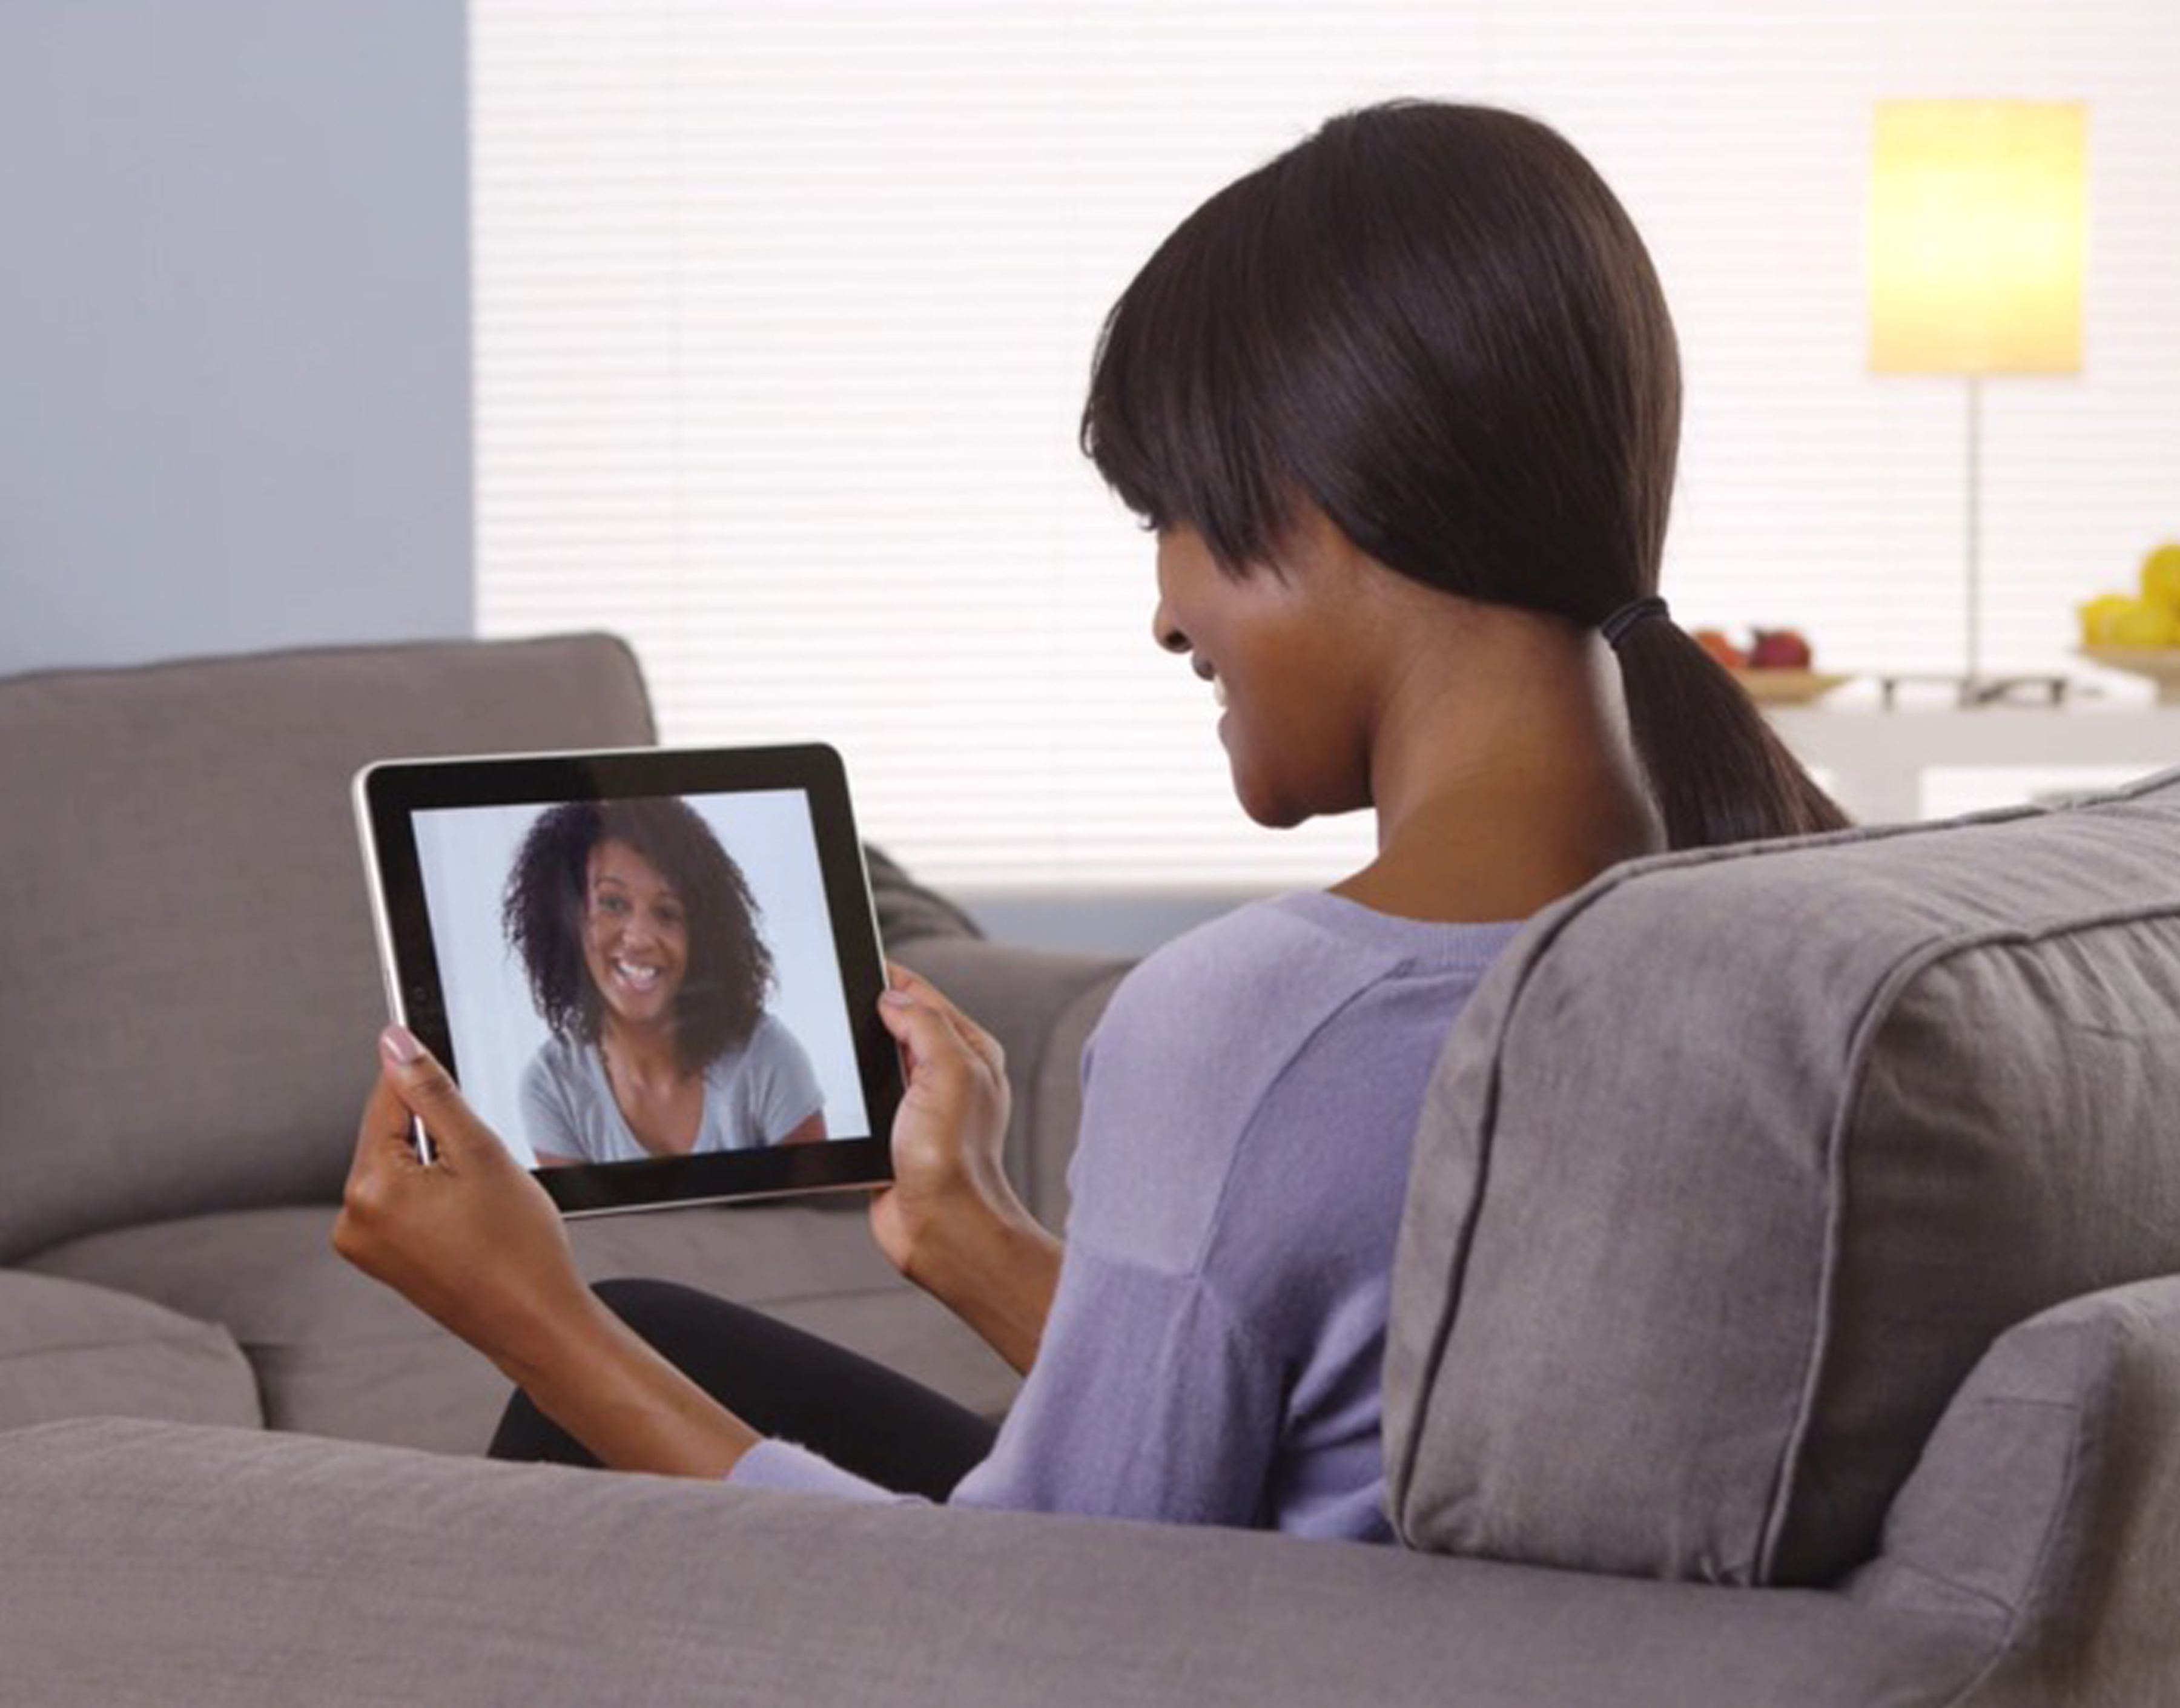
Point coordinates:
[[1922, 762]]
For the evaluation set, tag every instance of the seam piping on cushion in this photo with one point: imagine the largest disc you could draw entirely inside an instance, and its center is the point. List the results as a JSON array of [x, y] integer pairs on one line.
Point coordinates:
[[1912, 965]]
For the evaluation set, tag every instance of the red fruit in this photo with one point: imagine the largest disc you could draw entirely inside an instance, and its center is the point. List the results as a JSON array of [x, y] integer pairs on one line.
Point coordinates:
[[1779, 649]]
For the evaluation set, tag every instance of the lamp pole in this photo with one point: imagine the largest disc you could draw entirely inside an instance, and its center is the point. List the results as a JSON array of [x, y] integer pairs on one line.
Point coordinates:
[[1971, 689]]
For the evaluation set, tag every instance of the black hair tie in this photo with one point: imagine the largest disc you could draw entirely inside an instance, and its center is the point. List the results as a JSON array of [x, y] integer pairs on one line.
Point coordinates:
[[1627, 616]]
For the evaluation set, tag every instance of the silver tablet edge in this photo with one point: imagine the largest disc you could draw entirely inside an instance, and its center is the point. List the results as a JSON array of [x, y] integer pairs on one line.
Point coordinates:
[[382, 923], [585, 1214]]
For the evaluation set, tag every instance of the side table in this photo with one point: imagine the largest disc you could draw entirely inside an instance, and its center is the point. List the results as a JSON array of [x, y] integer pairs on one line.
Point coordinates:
[[1888, 767]]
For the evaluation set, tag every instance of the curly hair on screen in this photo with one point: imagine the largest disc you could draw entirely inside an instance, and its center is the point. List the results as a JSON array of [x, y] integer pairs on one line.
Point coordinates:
[[1436, 323], [729, 973]]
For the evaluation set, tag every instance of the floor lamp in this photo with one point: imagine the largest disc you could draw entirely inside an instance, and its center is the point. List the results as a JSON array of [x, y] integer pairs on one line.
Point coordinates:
[[1978, 211]]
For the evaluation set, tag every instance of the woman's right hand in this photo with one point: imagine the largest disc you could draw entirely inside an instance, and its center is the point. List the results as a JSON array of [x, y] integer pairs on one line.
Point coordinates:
[[472, 1239], [951, 1220]]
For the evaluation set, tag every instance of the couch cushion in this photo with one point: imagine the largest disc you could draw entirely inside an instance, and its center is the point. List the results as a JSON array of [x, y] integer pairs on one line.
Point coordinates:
[[1740, 1159], [337, 1355], [186, 962], [70, 1350]]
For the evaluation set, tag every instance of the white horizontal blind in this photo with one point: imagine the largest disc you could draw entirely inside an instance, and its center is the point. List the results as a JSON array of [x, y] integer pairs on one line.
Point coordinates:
[[784, 312], [784, 316]]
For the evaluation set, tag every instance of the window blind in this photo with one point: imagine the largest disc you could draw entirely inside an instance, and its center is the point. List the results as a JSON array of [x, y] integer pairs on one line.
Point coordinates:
[[783, 313]]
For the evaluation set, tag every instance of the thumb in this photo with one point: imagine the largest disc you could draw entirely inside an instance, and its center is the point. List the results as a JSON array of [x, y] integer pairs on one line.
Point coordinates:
[[429, 1093]]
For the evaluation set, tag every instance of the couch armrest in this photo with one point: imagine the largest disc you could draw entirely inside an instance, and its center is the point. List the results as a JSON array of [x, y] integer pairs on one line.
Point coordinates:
[[169, 1565], [2049, 1492], [1041, 1005]]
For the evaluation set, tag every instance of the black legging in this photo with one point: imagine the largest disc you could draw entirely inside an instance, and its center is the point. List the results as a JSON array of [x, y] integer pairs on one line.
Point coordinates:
[[780, 1381]]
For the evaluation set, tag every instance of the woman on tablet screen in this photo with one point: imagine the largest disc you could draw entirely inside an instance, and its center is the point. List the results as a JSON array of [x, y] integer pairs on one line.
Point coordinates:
[[1401, 407], [639, 937]]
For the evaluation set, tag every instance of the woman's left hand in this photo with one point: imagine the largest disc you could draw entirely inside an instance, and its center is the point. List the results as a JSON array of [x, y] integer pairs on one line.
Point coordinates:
[[470, 1238]]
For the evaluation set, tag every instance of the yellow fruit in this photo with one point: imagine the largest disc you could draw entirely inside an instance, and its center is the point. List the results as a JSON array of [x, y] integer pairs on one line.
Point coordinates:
[[2097, 617], [2160, 577]]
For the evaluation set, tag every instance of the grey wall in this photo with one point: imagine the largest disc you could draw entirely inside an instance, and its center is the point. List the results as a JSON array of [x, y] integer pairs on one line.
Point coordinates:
[[234, 343]]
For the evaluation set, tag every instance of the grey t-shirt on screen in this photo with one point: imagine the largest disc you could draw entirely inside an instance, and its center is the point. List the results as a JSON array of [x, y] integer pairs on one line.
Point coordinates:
[[753, 1096]]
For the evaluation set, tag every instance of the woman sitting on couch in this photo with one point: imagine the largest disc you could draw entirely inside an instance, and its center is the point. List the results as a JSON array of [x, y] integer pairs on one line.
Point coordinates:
[[1402, 407]]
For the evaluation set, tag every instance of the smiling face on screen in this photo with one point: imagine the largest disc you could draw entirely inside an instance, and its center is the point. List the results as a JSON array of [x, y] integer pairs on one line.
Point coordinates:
[[636, 935]]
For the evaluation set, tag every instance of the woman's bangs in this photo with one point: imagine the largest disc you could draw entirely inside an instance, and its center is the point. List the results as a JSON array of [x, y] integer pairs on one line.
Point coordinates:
[[1176, 420]]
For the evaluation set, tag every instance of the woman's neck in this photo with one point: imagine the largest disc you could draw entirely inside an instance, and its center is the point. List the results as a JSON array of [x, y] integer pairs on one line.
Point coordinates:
[[644, 1055], [1508, 784]]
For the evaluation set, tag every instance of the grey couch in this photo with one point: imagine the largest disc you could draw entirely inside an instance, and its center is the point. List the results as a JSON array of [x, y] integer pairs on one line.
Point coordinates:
[[1787, 1312]]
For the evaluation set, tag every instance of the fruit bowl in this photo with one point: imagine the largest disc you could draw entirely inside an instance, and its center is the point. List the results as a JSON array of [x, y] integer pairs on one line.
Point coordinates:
[[2161, 664], [1784, 687]]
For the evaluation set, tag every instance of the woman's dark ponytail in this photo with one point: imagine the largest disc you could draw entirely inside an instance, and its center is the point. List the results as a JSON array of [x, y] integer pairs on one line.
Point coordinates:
[[1716, 770]]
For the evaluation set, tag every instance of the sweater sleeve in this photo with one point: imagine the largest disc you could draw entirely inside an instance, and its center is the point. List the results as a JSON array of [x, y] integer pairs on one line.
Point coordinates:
[[1146, 1401], [783, 1465], [784, 1091]]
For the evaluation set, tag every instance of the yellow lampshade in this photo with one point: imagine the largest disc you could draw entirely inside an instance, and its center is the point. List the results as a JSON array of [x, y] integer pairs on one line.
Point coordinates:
[[1978, 213]]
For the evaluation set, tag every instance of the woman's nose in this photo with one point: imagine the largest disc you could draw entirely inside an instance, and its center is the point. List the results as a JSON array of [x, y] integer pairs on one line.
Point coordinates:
[[1166, 631]]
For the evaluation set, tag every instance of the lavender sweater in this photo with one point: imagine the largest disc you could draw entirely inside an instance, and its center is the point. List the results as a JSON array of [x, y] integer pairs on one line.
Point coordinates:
[[1213, 1353]]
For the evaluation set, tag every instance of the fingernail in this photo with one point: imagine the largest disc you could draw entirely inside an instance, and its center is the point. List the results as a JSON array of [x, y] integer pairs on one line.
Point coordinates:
[[897, 999], [400, 1045]]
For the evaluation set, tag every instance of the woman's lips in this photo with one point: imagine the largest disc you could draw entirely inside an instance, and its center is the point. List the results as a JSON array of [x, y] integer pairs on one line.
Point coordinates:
[[637, 978]]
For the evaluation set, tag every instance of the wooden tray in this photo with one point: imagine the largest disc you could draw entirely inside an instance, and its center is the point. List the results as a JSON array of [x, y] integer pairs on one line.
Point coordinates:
[[2161, 664], [1788, 687]]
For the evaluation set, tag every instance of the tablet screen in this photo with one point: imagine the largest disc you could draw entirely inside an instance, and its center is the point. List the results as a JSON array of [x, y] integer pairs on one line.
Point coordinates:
[[652, 973]]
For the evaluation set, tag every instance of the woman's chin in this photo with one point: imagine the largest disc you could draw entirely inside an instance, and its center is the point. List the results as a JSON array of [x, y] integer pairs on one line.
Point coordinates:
[[1282, 808], [1271, 810], [645, 1013]]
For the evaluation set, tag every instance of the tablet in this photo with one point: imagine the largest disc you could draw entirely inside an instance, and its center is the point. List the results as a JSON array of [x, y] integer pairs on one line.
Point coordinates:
[[653, 972]]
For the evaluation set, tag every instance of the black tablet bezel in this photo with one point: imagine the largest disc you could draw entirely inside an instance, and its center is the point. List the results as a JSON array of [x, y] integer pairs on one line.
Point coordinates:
[[387, 795]]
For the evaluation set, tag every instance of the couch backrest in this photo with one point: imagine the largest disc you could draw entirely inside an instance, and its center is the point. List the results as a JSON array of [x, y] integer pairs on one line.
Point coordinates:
[[188, 990], [1741, 1158]]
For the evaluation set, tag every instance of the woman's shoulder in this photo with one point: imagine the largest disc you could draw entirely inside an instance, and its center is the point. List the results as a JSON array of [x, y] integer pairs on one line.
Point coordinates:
[[559, 1061], [771, 1039], [1244, 943], [768, 1075], [770, 1033], [1245, 1036], [1287, 955], [562, 1087]]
